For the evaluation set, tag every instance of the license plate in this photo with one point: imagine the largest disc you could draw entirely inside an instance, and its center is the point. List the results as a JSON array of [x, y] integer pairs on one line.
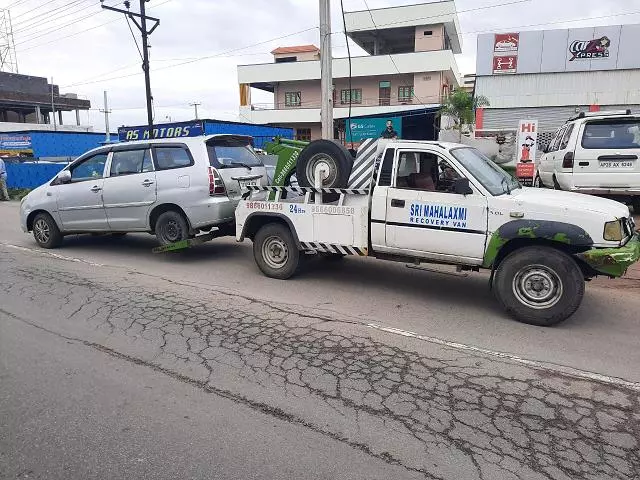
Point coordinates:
[[616, 164], [248, 183]]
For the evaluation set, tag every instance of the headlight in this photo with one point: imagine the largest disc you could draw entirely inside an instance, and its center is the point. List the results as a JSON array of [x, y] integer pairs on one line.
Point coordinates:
[[613, 231]]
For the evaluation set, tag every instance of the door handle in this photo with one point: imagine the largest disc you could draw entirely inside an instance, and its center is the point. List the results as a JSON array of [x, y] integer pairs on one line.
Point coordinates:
[[583, 164], [147, 183], [397, 203], [95, 189]]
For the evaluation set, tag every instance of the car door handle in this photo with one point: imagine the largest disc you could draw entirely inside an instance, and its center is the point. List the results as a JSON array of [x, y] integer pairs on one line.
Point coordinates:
[[95, 189], [397, 203], [583, 164], [147, 183]]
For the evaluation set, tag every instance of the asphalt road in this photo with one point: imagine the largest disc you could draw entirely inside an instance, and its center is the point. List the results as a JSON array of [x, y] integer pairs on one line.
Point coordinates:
[[116, 363]]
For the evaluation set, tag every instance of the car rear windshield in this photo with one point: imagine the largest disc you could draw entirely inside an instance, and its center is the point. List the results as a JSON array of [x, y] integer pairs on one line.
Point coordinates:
[[605, 134], [232, 153]]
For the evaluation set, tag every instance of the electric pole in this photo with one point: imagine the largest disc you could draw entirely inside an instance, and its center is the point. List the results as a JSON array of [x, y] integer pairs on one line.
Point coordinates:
[[106, 117], [326, 78], [195, 106], [142, 26], [53, 108]]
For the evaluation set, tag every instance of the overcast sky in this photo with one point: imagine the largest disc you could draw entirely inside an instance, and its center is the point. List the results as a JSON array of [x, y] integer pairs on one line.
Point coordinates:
[[85, 48]]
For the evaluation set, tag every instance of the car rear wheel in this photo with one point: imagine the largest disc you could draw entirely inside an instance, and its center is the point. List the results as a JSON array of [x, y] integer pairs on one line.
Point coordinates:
[[171, 227], [46, 231], [539, 285], [276, 252], [538, 182]]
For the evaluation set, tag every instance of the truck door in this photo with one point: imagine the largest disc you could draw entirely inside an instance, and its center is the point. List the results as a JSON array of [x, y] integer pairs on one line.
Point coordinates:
[[425, 218]]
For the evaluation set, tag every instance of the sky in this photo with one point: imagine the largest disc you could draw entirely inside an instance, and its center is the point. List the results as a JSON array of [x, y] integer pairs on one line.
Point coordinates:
[[199, 43]]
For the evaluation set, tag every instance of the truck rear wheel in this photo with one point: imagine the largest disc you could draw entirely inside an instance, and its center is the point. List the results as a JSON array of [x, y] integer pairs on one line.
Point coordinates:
[[539, 285], [275, 251], [324, 152]]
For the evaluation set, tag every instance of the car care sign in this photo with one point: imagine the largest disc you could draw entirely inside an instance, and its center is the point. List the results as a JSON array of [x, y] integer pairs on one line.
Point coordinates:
[[526, 148]]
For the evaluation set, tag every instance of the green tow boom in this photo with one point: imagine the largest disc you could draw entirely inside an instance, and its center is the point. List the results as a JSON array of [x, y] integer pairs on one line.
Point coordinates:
[[287, 152]]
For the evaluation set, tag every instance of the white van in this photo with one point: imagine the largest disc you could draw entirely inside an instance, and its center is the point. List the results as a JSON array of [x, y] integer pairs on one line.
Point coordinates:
[[595, 153]]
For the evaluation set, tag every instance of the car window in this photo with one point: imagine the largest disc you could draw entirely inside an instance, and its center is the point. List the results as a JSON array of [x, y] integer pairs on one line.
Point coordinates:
[[425, 171], [555, 143], [89, 169], [127, 162], [565, 138], [172, 157], [612, 134]]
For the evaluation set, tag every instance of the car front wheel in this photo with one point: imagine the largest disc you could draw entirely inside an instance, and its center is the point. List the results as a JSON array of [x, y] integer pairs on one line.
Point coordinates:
[[276, 252], [46, 232]]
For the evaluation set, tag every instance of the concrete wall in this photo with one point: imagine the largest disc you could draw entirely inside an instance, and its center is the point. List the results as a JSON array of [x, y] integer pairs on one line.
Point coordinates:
[[427, 43]]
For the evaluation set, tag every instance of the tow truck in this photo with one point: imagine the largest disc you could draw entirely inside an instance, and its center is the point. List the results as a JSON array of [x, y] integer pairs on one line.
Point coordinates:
[[423, 202]]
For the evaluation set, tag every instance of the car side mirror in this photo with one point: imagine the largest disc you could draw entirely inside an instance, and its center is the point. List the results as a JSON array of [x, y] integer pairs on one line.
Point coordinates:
[[64, 176], [461, 186]]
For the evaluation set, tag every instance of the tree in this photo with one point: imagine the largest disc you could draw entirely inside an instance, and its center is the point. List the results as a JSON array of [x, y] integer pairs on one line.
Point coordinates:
[[461, 106]]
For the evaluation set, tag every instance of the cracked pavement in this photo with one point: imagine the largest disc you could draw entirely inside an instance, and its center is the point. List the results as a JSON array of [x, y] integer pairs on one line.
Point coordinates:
[[432, 411]]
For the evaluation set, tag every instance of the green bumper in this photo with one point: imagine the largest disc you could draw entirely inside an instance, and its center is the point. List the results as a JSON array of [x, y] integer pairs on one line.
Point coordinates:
[[613, 261]]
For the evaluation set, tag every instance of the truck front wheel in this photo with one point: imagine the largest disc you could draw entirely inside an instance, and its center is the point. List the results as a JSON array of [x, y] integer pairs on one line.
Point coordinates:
[[539, 285], [275, 251]]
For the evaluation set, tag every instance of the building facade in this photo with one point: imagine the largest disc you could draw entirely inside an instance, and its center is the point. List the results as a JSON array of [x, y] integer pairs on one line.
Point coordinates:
[[410, 66], [551, 75]]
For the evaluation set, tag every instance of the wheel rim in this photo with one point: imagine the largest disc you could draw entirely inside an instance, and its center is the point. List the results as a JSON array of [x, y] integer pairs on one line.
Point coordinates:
[[42, 231], [327, 161], [536, 182], [537, 286], [171, 231], [275, 252]]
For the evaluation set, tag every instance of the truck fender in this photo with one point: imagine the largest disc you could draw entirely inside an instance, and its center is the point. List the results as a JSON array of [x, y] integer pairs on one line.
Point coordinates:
[[257, 216], [550, 231]]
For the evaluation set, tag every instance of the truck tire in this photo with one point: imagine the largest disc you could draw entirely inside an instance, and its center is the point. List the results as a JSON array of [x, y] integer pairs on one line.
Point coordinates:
[[539, 285], [46, 232], [332, 154], [171, 227], [275, 251]]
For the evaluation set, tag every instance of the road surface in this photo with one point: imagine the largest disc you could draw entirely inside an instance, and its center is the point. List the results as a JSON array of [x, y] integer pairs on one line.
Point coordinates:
[[115, 363]]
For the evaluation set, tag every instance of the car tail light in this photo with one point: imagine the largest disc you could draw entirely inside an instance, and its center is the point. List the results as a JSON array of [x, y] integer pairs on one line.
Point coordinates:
[[567, 161], [216, 185]]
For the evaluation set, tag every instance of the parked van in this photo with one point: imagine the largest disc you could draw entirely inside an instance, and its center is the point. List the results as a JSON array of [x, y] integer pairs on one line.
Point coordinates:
[[595, 153]]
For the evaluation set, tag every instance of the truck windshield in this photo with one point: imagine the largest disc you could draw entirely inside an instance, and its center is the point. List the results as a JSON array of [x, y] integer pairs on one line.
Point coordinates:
[[231, 154], [490, 175]]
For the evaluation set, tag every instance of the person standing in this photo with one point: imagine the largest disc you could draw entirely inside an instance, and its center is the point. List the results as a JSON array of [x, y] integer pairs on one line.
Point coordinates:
[[4, 195]]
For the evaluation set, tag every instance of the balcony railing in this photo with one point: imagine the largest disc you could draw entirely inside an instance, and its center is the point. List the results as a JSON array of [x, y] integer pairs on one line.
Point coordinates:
[[366, 102]]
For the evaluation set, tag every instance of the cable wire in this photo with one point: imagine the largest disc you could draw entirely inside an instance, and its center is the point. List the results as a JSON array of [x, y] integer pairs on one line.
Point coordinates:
[[135, 40]]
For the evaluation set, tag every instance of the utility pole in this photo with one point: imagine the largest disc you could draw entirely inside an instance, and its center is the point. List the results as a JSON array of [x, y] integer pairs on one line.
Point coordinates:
[[53, 109], [142, 26], [326, 78], [106, 117], [195, 106]]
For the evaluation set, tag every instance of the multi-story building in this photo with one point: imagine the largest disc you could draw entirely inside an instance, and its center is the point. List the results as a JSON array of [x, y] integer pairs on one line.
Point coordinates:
[[410, 66]]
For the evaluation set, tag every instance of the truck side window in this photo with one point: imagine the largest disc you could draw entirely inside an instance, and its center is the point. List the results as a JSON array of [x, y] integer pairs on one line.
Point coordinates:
[[386, 168], [425, 171]]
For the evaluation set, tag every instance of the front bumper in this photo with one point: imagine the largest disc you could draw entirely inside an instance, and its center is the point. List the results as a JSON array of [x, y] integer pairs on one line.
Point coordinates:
[[613, 261]]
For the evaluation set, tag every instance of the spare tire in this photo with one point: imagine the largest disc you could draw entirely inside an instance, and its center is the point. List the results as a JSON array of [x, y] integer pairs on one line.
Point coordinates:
[[328, 152]]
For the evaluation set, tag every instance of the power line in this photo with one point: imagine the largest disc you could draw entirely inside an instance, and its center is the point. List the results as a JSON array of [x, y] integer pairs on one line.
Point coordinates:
[[31, 22], [135, 40]]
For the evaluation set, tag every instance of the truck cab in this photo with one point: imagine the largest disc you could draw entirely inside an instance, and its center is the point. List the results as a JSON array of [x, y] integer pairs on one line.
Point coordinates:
[[444, 203]]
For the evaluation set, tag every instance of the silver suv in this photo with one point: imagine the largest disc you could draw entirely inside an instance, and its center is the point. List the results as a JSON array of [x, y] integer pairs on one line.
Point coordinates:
[[172, 188]]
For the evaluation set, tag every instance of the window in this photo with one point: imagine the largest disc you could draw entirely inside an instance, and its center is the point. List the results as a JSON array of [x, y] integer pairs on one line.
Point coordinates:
[[127, 162], [555, 143], [353, 96], [405, 93], [428, 33], [386, 169], [303, 134], [565, 138], [286, 59], [490, 175], [425, 171], [90, 169], [231, 153], [612, 134], [172, 157], [292, 99]]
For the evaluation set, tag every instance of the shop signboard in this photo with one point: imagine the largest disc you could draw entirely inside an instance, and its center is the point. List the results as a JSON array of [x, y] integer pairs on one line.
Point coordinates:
[[15, 145], [362, 128], [166, 130], [505, 64], [526, 151], [506, 42]]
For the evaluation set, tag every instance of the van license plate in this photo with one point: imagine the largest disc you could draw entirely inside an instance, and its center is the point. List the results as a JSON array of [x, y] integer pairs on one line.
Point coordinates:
[[614, 164]]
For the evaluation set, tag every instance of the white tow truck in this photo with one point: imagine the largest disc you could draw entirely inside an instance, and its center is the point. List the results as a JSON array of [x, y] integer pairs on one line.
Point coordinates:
[[443, 203]]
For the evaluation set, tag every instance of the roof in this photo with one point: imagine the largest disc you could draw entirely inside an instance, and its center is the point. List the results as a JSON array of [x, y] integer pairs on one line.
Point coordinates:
[[295, 49]]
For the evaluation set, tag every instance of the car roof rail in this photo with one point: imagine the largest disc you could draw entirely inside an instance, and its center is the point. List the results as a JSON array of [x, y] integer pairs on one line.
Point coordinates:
[[600, 114]]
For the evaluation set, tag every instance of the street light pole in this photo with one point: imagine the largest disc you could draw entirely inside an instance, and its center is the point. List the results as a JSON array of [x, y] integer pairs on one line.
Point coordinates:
[[326, 78]]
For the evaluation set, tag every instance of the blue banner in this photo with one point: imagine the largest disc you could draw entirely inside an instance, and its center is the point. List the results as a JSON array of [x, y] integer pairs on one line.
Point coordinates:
[[362, 128], [166, 130]]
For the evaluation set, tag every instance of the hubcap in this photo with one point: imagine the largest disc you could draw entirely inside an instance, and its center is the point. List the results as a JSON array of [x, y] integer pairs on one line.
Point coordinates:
[[537, 286], [41, 231], [172, 231], [326, 161], [275, 252]]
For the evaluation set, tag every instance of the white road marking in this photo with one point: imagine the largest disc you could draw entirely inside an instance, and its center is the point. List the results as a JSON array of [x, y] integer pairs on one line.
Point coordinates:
[[552, 367], [51, 254]]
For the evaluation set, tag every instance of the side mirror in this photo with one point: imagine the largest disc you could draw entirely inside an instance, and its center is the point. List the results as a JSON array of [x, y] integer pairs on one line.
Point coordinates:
[[64, 176], [461, 186]]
